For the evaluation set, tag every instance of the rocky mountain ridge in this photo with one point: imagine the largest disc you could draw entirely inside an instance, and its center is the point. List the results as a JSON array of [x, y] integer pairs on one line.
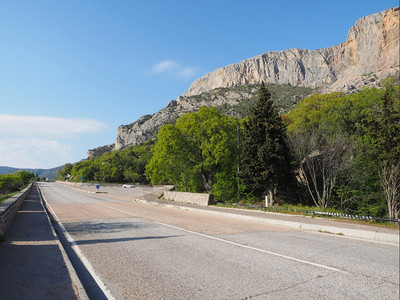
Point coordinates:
[[369, 55], [372, 45]]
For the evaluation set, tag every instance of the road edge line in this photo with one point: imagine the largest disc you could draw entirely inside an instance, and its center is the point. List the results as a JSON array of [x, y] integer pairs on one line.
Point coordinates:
[[75, 248]]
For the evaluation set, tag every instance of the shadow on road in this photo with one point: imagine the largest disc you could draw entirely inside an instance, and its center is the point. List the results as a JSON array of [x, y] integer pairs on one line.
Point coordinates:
[[99, 241]]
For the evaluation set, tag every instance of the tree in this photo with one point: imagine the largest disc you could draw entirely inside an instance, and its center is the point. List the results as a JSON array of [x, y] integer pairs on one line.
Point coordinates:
[[65, 172], [197, 154], [14, 182], [126, 165], [322, 158], [390, 180], [367, 125], [383, 135], [172, 160], [265, 159]]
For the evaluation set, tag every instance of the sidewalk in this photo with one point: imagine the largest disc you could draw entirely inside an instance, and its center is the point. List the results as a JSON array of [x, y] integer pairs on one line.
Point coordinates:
[[31, 261]]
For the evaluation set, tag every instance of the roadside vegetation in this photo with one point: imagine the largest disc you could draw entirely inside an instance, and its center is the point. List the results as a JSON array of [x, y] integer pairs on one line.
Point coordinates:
[[123, 166], [10, 184], [334, 152]]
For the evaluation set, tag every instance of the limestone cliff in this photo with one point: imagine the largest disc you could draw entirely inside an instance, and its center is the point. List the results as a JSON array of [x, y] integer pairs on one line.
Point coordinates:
[[369, 54], [372, 45]]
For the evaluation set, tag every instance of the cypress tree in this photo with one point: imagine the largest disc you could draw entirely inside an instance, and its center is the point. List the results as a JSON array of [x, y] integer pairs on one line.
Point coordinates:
[[265, 160]]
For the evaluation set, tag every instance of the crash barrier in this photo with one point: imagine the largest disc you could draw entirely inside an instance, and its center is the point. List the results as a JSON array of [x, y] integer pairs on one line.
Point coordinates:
[[10, 207], [321, 213], [185, 197], [346, 216]]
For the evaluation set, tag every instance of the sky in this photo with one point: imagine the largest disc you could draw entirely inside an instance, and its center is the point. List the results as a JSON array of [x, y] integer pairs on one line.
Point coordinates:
[[72, 71]]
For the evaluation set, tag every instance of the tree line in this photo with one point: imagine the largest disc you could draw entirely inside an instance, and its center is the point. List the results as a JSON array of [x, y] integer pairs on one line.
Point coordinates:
[[10, 183], [332, 150]]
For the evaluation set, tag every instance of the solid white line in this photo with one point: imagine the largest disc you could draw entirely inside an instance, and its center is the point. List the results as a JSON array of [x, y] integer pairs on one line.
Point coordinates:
[[81, 290], [241, 245], [355, 238], [82, 257], [256, 249], [125, 212]]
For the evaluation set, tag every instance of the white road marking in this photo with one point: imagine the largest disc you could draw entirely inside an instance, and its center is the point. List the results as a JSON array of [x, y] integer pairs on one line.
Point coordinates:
[[82, 257], [240, 245], [355, 238], [125, 212]]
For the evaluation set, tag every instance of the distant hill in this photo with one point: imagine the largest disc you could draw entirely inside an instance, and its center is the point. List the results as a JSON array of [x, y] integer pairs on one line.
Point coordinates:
[[49, 173]]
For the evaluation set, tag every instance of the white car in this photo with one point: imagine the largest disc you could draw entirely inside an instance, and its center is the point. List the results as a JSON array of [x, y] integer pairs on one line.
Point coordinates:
[[128, 185]]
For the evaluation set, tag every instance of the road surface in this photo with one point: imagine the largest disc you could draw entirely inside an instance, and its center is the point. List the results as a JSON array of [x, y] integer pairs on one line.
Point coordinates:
[[142, 251]]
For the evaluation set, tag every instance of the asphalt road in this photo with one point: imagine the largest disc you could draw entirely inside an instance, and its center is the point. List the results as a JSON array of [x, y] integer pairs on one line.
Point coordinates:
[[142, 251]]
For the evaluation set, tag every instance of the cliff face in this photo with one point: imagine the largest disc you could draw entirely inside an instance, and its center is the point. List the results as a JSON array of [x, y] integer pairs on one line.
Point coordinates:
[[369, 54], [147, 126], [372, 45]]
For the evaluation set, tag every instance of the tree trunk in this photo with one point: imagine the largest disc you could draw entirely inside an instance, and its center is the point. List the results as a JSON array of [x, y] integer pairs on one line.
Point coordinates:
[[207, 182], [271, 196]]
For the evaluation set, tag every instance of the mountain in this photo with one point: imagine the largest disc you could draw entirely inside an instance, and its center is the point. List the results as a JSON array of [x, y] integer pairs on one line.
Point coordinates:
[[41, 173], [369, 55], [231, 101], [372, 46]]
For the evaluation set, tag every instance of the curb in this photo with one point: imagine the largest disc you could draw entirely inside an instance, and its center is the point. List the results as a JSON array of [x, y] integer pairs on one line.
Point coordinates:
[[349, 232], [74, 276]]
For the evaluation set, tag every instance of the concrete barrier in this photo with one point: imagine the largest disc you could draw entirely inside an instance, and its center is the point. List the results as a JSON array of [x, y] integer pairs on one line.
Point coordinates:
[[184, 197], [10, 207]]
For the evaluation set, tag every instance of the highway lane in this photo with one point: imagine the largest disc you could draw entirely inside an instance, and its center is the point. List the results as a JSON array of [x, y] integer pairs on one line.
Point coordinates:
[[140, 251]]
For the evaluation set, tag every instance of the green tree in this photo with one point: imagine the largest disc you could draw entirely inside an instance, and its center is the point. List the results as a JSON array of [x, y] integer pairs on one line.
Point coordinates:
[[126, 165], [197, 154], [383, 146], [65, 172], [365, 123], [13, 182], [265, 158], [170, 162]]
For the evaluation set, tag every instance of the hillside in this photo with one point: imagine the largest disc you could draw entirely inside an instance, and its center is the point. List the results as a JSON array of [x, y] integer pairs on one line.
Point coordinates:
[[234, 101], [41, 173], [369, 54]]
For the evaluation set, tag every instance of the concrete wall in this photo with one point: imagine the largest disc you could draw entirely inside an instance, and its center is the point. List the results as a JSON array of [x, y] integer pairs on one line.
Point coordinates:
[[194, 198], [10, 207]]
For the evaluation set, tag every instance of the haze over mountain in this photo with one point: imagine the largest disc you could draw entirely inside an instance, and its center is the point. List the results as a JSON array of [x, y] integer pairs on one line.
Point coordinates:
[[368, 55], [41, 173]]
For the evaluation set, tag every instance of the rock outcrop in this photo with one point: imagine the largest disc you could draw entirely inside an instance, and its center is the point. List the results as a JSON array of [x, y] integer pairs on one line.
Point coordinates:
[[100, 150], [372, 45], [233, 101], [147, 126], [369, 54]]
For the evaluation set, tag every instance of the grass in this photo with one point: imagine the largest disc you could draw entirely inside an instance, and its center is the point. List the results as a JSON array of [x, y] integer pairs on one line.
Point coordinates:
[[303, 210], [6, 196]]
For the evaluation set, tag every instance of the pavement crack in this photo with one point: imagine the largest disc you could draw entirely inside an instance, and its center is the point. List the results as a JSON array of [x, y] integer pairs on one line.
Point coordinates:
[[324, 252], [284, 288]]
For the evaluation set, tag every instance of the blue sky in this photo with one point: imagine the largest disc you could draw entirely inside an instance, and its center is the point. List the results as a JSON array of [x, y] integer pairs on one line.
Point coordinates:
[[72, 71]]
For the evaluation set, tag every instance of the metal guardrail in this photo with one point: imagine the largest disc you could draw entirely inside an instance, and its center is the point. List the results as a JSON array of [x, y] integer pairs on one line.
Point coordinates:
[[346, 216], [321, 213]]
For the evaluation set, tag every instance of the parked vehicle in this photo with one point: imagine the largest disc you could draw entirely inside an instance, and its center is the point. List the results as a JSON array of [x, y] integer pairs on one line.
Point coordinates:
[[128, 185]]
